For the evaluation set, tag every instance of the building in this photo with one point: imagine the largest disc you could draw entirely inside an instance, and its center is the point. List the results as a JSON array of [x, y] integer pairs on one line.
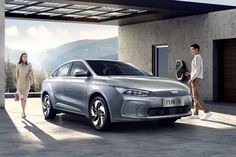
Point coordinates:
[[152, 34], [215, 32]]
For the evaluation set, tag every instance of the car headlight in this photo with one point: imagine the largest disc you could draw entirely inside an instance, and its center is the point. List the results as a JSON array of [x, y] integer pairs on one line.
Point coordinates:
[[188, 88], [132, 92], [189, 91]]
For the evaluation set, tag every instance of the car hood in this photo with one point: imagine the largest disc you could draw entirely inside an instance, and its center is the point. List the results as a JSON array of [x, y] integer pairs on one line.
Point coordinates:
[[146, 83]]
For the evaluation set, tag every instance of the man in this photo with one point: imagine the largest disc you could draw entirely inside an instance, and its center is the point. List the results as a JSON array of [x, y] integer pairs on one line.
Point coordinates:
[[196, 77]]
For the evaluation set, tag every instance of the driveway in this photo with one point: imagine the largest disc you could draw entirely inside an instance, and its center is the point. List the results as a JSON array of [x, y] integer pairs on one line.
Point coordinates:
[[71, 136]]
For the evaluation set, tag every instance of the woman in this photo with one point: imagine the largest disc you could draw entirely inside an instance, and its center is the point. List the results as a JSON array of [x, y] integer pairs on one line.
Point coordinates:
[[24, 78]]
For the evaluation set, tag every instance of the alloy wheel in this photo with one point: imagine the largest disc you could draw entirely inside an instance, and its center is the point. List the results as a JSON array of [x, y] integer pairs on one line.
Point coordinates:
[[98, 113], [46, 106]]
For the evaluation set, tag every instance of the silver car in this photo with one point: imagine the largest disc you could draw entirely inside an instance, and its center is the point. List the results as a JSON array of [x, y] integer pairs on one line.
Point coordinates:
[[107, 91]]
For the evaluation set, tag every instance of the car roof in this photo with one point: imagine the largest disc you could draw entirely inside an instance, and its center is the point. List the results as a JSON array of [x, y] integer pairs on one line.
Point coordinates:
[[84, 60], [95, 60]]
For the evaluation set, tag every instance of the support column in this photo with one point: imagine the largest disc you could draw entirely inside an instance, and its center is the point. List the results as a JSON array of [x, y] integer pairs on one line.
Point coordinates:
[[2, 54]]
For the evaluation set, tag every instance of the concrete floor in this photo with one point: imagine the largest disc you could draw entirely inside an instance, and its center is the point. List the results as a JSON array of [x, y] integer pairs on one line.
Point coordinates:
[[71, 135]]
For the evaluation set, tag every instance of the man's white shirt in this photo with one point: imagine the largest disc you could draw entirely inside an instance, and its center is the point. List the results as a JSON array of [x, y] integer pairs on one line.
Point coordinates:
[[197, 67]]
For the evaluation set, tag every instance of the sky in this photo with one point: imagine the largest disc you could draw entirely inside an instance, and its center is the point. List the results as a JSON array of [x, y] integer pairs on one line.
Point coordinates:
[[34, 36]]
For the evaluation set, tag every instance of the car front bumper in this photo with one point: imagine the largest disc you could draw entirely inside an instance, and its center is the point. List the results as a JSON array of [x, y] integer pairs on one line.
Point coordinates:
[[150, 108]]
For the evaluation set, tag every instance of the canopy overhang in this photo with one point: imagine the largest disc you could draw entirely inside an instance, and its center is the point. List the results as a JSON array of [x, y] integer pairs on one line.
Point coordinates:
[[114, 12]]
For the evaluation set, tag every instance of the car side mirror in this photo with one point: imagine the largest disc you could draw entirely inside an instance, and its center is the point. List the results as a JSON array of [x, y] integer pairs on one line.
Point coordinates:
[[82, 73]]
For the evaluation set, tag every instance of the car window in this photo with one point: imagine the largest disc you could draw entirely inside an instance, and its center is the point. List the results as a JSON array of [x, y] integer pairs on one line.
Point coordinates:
[[54, 74], [106, 68], [63, 70], [77, 66]]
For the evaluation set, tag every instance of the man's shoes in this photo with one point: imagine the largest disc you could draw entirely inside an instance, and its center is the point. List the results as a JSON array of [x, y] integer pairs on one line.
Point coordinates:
[[206, 115], [193, 117]]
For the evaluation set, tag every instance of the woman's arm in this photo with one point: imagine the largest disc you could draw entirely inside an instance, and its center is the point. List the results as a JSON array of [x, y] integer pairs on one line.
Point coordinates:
[[31, 75]]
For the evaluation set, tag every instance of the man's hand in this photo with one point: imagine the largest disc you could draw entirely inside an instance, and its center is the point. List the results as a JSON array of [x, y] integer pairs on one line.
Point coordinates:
[[187, 74]]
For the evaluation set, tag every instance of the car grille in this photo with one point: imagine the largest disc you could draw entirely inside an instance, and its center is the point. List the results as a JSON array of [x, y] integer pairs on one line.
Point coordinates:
[[161, 111], [168, 93]]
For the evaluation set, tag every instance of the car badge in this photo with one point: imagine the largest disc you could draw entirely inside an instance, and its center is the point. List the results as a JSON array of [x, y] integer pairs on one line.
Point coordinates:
[[174, 92]]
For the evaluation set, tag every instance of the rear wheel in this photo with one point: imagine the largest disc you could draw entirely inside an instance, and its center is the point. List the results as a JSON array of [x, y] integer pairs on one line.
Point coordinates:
[[167, 122], [48, 111], [99, 114]]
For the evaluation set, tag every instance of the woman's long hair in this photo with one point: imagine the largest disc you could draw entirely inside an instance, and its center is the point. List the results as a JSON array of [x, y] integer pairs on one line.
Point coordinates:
[[21, 60]]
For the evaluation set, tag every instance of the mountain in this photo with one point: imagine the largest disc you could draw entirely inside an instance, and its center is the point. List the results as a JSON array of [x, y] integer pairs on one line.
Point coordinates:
[[81, 49], [49, 59]]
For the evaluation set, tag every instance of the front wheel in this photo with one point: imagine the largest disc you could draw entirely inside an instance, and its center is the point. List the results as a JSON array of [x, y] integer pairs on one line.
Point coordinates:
[[167, 122], [99, 114], [48, 111]]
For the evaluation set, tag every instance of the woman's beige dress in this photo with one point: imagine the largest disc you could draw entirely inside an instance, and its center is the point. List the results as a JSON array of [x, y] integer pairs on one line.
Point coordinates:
[[24, 77]]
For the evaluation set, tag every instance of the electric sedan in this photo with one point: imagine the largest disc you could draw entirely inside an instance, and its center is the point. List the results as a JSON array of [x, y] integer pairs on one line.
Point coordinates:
[[107, 91]]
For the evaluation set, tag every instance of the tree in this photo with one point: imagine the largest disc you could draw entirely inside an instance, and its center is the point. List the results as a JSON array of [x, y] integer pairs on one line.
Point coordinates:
[[10, 77]]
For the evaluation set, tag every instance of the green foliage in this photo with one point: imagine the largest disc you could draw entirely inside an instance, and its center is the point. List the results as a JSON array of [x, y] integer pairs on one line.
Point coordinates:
[[39, 76], [10, 77]]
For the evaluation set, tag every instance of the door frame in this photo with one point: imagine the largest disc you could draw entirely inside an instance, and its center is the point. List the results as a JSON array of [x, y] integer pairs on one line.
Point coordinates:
[[155, 57], [217, 48]]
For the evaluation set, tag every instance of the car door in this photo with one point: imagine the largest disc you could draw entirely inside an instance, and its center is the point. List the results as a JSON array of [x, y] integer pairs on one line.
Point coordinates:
[[76, 88], [58, 84]]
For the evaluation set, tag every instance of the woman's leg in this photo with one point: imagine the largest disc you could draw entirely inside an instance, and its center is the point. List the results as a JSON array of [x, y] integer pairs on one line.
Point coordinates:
[[23, 104]]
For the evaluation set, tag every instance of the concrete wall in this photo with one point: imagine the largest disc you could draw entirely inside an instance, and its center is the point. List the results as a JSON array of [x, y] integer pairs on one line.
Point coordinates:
[[2, 58], [135, 41]]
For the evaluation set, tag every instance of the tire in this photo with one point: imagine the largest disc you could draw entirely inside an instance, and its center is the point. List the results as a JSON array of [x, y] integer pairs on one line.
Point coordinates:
[[167, 122], [99, 114], [48, 111]]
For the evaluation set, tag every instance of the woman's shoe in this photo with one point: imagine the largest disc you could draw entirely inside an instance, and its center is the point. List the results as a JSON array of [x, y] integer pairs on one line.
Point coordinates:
[[23, 115]]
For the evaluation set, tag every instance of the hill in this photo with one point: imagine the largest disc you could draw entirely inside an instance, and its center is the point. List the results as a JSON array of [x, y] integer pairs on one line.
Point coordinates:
[[82, 49]]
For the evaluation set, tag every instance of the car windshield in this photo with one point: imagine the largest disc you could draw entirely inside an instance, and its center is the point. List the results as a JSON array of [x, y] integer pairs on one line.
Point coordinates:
[[106, 68]]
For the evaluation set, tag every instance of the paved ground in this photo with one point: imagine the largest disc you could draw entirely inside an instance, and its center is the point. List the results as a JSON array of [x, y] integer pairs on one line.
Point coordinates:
[[71, 136]]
